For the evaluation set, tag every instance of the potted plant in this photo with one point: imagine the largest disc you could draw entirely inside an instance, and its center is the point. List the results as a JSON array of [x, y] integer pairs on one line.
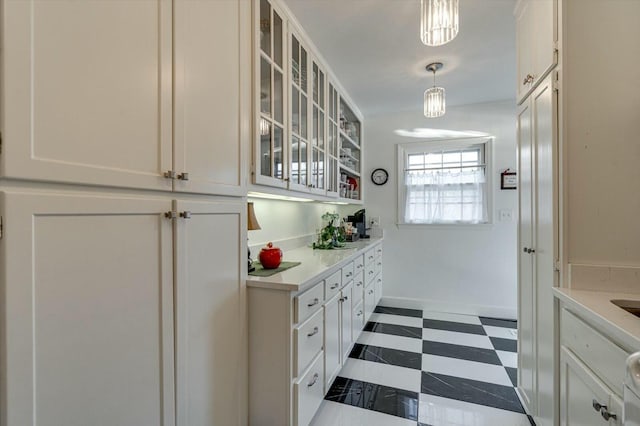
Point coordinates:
[[332, 235]]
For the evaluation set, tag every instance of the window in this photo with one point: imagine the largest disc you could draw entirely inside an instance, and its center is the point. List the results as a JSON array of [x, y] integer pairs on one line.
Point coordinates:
[[444, 182]]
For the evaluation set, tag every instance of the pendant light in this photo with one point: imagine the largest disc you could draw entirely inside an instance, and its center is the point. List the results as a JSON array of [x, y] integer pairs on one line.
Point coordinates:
[[438, 21], [434, 105]]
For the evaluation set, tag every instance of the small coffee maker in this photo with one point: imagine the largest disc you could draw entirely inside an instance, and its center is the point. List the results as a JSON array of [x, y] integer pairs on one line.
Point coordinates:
[[359, 220]]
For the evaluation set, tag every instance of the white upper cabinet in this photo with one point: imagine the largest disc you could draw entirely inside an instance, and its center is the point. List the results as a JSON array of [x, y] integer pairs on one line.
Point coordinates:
[[211, 60], [318, 127], [537, 35], [299, 116], [89, 93], [270, 162]]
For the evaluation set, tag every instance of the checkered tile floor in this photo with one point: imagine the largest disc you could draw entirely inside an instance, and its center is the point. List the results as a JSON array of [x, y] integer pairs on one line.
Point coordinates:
[[413, 367]]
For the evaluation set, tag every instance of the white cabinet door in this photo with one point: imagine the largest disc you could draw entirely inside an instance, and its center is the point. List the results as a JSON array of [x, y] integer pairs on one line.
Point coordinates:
[[87, 92], [369, 301], [331, 339], [346, 311], [211, 324], [580, 392], [212, 85], [88, 321], [526, 283]]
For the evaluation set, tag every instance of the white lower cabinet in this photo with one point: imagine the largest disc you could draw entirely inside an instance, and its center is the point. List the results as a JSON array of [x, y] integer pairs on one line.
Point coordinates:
[[332, 339], [369, 301], [299, 339], [91, 339]]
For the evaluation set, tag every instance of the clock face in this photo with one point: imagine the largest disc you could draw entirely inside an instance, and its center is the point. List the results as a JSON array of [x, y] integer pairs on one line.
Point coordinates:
[[379, 176]]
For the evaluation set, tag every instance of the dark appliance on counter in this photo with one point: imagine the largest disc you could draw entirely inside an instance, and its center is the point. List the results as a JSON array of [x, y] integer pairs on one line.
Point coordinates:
[[359, 220]]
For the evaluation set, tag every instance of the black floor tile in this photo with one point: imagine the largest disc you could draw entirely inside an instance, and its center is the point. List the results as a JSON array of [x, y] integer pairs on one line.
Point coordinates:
[[473, 391], [460, 327], [414, 313], [387, 356], [497, 322], [469, 353], [370, 396], [501, 344], [513, 375], [396, 330]]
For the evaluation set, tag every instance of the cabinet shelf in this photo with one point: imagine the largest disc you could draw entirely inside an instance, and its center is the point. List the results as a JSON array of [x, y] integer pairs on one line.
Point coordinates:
[[349, 170], [346, 137]]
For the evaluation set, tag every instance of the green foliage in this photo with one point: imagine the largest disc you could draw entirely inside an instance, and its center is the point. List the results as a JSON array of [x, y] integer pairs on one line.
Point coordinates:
[[330, 236]]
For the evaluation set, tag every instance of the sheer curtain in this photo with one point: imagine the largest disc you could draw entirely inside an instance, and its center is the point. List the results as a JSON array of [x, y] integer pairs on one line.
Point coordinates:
[[446, 196]]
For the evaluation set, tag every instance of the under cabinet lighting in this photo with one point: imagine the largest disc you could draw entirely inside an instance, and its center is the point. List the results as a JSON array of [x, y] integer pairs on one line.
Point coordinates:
[[267, 196]]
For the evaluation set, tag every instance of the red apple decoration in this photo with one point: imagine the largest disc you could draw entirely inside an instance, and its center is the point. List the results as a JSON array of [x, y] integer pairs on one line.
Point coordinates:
[[270, 256]]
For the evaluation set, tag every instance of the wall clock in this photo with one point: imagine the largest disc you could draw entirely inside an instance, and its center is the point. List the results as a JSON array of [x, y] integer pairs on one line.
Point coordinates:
[[379, 176]]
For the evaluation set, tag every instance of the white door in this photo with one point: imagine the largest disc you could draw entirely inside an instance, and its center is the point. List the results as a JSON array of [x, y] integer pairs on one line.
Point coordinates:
[[212, 90], [544, 113], [526, 279], [211, 318], [88, 319], [331, 339], [346, 310], [581, 392], [87, 92]]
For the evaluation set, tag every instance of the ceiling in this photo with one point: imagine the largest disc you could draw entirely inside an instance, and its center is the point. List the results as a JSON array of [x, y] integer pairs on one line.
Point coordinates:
[[374, 48]]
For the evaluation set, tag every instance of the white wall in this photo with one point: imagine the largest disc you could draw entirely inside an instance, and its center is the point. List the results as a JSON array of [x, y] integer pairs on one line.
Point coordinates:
[[470, 269]]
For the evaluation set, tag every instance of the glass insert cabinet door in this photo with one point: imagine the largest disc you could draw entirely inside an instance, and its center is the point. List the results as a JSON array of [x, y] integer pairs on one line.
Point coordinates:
[[332, 142], [318, 126], [299, 120], [270, 158]]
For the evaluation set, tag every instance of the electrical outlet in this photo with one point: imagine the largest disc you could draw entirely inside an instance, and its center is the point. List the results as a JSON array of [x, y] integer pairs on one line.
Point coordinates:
[[374, 221], [506, 215]]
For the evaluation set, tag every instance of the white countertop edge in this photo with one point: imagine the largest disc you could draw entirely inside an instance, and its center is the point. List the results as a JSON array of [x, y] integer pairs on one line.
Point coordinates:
[[308, 273], [596, 307]]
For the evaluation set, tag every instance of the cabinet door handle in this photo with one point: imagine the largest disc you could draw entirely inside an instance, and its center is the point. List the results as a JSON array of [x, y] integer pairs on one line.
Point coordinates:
[[597, 406], [359, 283], [314, 332], [526, 250], [370, 291], [528, 79], [185, 214], [333, 287], [358, 266], [370, 272], [344, 299], [170, 174], [314, 303], [532, 250], [183, 176], [379, 263], [359, 313], [349, 274], [370, 257], [313, 382], [607, 415]]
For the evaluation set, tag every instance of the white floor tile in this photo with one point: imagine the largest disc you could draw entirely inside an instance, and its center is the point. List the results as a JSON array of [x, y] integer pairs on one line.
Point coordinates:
[[467, 369], [450, 412], [383, 374], [444, 316], [456, 338], [335, 414], [508, 359], [502, 332], [390, 341], [396, 319]]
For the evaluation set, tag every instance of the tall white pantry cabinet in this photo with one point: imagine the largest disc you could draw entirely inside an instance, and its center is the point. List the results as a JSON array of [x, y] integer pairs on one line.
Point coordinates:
[[122, 222]]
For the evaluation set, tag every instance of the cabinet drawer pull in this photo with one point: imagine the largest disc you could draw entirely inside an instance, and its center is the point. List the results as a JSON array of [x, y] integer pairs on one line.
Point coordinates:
[[596, 405], [358, 266], [379, 263], [359, 313], [607, 415], [370, 291], [344, 299], [370, 272], [349, 274], [359, 283], [371, 257], [314, 332], [333, 287], [170, 174], [183, 176], [313, 382], [314, 303], [185, 214], [528, 79]]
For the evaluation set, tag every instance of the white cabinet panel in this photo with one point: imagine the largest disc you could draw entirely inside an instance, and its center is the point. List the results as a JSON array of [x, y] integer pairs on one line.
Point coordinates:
[[87, 109], [88, 318], [346, 311], [211, 68], [331, 339], [211, 376]]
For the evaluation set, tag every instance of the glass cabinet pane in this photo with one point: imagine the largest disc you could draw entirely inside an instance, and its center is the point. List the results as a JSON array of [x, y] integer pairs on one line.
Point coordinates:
[[314, 83], [303, 71], [295, 111], [278, 91], [295, 160], [321, 89], [314, 126], [265, 147], [295, 60], [265, 86], [278, 164], [321, 130], [277, 39], [303, 116], [265, 27], [303, 163]]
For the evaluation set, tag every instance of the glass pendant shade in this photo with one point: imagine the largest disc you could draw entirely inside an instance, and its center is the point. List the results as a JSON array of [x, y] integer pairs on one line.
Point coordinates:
[[439, 21], [434, 105]]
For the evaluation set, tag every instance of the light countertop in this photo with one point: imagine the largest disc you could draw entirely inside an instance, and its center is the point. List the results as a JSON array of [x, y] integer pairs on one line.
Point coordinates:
[[315, 265], [596, 307]]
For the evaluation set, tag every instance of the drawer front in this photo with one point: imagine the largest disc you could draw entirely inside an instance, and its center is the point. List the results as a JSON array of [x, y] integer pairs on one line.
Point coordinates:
[[358, 264], [308, 302], [308, 342], [358, 288], [602, 356], [358, 320], [347, 273], [369, 273], [309, 392], [369, 301], [369, 256], [379, 250], [332, 285]]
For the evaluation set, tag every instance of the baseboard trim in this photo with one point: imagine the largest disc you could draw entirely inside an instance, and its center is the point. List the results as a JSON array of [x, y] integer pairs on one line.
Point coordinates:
[[456, 308]]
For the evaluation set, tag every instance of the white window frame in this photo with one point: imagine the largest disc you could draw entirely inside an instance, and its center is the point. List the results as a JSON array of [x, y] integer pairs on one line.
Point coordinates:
[[404, 149]]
